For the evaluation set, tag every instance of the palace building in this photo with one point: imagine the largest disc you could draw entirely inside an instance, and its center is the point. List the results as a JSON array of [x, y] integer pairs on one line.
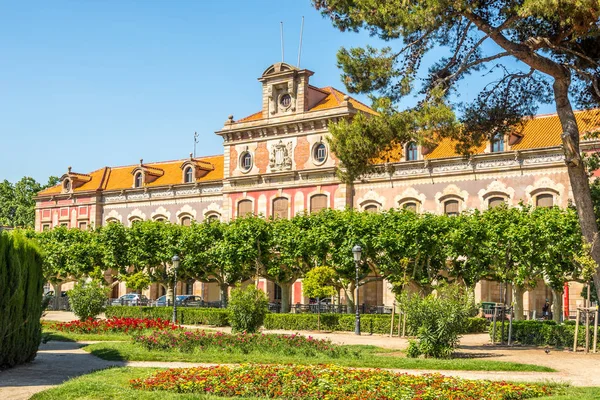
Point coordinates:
[[277, 162]]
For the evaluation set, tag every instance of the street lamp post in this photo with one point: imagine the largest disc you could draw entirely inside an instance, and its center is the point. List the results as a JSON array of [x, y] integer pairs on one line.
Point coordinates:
[[356, 251], [175, 261]]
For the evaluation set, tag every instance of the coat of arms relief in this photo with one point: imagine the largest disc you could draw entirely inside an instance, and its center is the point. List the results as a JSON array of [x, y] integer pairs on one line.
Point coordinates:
[[281, 156]]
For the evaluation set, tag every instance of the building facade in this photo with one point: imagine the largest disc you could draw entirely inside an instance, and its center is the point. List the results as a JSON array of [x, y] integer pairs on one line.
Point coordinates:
[[277, 162]]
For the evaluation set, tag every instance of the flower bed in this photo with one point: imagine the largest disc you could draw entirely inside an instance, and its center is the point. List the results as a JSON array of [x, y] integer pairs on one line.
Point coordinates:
[[113, 325], [330, 382], [242, 343]]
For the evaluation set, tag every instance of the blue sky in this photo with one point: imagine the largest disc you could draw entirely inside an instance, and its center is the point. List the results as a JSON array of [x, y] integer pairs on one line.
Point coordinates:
[[95, 83]]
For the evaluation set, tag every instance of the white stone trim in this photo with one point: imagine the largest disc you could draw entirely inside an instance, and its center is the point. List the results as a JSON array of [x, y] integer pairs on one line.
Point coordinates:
[[113, 214], [186, 210], [213, 209], [410, 195], [496, 188], [161, 212], [451, 191], [371, 197], [545, 185], [136, 214]]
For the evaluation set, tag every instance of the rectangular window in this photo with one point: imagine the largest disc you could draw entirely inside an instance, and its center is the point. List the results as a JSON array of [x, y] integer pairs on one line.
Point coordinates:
[[244, 208], [318, 202], [544, 200], [497, 143], [280, 207], [451, 208], [45, 227], [83, 225], [65, 224]]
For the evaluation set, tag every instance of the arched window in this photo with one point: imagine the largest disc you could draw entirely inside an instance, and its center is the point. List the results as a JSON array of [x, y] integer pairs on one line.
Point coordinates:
[[497, 143], [186, 220], [544, 200], [134, 220], [280, 207], [496, 201], [318, 202], [67, 185], [112, 221], [451, 207], [371, 208], [410, 206], [137, 180], [213, 217], [411, 152], [246, 161], [188, 175], [244, 207], [320, 153], [160, 218]]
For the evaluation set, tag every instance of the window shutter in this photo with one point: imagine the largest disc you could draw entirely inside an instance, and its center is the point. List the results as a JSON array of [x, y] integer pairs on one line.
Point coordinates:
[[544, 200], [244, 208], [371, 208], [318, 202], [451, 207], [280, 207], [495, 202], [411, 206]]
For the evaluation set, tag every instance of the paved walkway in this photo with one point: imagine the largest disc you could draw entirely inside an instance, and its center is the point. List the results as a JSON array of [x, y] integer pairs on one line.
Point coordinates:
[[58, 361], [55, 363]]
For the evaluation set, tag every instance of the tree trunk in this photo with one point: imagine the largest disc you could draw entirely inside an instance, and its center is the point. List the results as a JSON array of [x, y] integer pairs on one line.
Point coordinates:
[[285, 296], [350, 298], [580, 184], [518, 299], [170, 294], [557, 305], [224, 290], [57, 295]]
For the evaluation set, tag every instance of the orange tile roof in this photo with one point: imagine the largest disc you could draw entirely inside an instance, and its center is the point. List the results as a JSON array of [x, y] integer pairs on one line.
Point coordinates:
[[333, 98], [537, 132], [117, 178]]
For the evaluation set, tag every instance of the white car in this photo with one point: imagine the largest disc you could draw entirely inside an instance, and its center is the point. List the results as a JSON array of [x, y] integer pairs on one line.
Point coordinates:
[[130, 299]]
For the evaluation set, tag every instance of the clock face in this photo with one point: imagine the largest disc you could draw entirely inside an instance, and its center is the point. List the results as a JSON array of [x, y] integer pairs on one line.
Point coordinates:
[[285, 100]]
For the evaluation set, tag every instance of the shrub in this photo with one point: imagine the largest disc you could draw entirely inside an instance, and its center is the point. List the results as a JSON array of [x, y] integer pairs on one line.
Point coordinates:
[[542, 333], [247, 309], [21, 284], [88, 300], [240, 343], [189, 316], [440, 319], [329, 382]]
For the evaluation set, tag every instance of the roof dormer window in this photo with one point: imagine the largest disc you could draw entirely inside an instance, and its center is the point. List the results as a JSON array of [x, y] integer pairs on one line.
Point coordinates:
[[188, 176], [138, 180], [411, 152], [67, 185], [497, 143]]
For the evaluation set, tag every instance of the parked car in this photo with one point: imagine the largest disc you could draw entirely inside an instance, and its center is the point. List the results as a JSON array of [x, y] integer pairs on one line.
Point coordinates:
[[183, 300], [130, 299]]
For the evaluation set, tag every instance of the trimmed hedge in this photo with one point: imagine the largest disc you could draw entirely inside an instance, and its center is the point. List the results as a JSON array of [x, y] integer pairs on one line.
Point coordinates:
[[543, 333], [21, 286], [369, 323], [187, 316]]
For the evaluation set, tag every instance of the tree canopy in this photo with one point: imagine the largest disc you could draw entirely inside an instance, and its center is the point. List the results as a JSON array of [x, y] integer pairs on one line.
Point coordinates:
[[527, 52]]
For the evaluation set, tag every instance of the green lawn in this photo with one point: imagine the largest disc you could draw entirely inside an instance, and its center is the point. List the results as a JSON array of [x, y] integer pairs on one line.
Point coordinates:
[[113, 384], [367, 357]]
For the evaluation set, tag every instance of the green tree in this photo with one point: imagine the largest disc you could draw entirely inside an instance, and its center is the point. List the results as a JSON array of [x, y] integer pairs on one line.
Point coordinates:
[[210, 253], [88, 299], [152, 245], [286, 254], [68, 255], [7, 201], [554, 44], [247, 309], [319, 282]]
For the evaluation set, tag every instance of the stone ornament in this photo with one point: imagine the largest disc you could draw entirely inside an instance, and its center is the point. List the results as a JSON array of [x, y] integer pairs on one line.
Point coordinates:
[[281, 156]]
